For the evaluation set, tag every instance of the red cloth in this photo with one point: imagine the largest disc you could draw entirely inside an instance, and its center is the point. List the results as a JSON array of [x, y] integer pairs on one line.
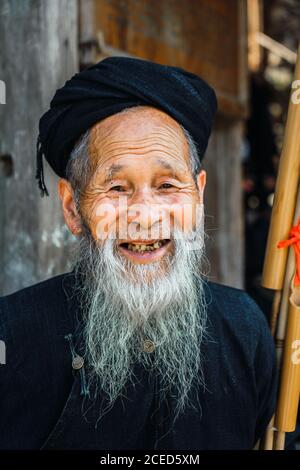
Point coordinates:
[[295, 241]]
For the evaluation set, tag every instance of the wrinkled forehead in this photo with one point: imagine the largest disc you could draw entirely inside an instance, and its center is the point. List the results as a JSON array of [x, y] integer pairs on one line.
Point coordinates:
[[138, 131]]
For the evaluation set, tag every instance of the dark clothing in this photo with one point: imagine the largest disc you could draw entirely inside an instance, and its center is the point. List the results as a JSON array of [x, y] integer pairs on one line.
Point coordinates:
[[45, 404]]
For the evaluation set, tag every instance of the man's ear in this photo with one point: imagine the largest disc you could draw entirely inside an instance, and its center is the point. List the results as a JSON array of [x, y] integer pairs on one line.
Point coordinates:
[[71, 215], [201, 181]]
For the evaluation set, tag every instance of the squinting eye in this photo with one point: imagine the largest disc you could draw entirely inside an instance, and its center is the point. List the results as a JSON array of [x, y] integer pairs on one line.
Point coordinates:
[[117, 188], [166, 186]]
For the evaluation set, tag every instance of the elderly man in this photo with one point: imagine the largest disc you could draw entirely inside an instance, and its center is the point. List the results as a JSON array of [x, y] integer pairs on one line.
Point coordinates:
[[134, 348]]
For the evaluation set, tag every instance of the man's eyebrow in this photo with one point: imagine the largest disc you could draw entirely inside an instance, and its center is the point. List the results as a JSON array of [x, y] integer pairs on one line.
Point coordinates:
[[174, 169], [116, 167], [112, 170], [165, 164]]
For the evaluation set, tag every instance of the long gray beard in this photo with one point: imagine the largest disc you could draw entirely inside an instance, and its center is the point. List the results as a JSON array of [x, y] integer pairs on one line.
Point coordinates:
[[126, 303]]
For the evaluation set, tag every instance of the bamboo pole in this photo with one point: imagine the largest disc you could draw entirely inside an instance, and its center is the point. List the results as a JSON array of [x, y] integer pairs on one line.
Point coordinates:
[[279, 441], [290, 382], [289, 328], [268, 441], [285, 197], [279, 266], [279, 302], [286, 412], [275, 311]]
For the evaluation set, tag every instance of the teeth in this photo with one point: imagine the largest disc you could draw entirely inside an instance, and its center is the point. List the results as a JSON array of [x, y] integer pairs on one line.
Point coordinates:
[[142, 248]]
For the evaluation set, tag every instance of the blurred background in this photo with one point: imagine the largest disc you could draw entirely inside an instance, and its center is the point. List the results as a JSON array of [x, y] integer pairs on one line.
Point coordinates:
[[245, 49]]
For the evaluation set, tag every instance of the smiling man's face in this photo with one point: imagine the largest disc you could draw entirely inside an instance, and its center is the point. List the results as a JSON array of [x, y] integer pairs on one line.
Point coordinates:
[[142, 186]]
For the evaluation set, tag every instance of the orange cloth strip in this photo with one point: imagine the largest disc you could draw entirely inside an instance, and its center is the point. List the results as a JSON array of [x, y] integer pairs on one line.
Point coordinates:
[[295, 241]]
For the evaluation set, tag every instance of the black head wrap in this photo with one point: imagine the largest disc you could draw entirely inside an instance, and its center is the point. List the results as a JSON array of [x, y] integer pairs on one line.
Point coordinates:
[[107, 88]]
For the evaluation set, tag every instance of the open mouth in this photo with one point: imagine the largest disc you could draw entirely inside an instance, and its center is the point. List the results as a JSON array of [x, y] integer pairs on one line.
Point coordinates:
[[144, 247]]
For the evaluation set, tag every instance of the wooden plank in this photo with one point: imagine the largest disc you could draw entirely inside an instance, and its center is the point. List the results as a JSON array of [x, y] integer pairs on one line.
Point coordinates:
[[38, 53], [224, 205], [201, 36]]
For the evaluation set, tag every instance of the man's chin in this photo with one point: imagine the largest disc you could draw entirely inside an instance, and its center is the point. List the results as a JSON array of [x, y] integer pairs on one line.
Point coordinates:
[[146, 272]]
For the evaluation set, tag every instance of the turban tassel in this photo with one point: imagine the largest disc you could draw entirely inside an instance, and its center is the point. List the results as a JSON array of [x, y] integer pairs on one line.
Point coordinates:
[[40, 168]]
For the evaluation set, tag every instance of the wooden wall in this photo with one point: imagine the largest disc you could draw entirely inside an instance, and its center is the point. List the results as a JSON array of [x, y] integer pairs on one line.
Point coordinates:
[[39, 52], [203, 36]]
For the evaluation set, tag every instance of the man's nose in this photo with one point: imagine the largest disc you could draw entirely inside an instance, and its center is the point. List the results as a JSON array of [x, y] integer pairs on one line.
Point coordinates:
[[145, 211]]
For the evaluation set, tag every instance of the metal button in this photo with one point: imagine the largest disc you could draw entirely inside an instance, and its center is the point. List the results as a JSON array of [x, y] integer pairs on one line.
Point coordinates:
[[148, 346], [77, 362]]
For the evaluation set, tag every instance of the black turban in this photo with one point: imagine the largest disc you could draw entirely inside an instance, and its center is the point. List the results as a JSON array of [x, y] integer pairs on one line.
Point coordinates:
[[107, 88]]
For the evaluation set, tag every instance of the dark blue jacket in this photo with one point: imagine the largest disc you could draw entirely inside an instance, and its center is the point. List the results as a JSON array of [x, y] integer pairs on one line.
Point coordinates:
[[44, 401]]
